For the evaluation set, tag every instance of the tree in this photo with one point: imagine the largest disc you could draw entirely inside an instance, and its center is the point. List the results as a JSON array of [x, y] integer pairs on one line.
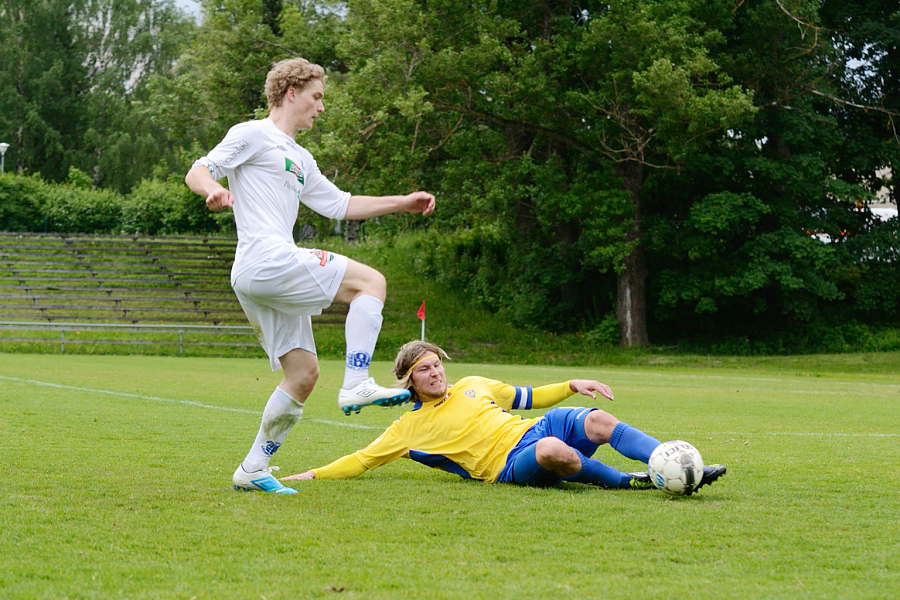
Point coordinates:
[[567, 105], [44, 86], [71, 74], [865, 93], [219, 78], [659, 99], [127, 44], [865, 102], [734, 247]]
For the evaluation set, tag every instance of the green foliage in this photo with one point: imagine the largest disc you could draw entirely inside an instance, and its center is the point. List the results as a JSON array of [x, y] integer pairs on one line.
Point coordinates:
[[869, 274], [41, 59], [73, 75], [20, 203], [867, 33], [31, 204], [731, 241], [508, 108], [161, 208], [605, 333], [562, 143], [72, 209], [78, 179], [731, 263], [220, 76], [538, 264], [152, 208]]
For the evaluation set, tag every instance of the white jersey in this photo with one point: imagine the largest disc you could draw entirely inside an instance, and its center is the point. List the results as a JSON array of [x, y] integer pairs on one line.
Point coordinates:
[[269, 174]]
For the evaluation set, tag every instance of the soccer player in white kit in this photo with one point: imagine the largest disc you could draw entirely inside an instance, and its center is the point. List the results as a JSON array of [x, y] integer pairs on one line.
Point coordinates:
[[280, 285]]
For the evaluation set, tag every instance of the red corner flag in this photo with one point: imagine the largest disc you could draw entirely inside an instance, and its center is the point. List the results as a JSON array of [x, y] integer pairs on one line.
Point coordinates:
[[421, 313]]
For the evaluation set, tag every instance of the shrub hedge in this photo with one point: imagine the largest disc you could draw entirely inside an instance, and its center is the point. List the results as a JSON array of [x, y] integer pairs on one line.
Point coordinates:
[[28, 203]]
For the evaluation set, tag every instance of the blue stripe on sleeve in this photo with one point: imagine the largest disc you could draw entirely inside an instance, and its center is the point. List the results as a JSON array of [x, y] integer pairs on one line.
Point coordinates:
[[523, 398]]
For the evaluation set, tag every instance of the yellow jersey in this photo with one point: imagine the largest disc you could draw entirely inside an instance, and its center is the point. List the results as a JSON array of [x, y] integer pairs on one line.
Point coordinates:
[[469, 432]]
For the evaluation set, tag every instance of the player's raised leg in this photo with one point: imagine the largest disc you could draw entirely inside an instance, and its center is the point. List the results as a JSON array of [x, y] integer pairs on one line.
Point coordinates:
[[364, 289]]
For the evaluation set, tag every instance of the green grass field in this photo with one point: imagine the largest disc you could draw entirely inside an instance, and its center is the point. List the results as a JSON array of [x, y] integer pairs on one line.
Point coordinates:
[[118, 486]]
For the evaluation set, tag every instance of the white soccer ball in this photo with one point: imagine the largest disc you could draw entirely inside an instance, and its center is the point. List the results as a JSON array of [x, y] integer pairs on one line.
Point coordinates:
[[676, 467]]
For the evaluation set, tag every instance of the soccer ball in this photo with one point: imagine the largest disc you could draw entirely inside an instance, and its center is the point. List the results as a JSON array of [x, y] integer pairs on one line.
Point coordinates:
[[676, 467]]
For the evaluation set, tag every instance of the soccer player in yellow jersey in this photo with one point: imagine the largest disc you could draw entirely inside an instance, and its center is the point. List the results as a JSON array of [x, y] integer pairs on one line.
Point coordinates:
[[466, 429]]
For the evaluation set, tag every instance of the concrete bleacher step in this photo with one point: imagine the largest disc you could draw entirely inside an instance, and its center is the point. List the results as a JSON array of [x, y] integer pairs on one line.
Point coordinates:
[[121, 279]]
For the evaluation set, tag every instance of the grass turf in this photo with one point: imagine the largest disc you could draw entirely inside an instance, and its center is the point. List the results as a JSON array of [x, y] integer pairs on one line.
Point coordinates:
[[118, 485]]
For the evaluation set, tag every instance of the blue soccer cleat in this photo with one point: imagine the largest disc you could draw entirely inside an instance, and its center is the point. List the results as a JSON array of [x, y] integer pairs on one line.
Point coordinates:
[[259, 481]]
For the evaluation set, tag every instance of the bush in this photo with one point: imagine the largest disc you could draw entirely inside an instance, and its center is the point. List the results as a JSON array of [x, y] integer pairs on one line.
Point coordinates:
[[71, 209], [169, 207], [20, 203], [27, 203]]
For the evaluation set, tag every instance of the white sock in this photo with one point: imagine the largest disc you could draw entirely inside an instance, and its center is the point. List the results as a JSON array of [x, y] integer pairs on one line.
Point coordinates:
[[361, 332], [281, 412]]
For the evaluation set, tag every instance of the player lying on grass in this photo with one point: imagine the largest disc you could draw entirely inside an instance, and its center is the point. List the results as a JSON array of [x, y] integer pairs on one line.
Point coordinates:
[[465, 429]]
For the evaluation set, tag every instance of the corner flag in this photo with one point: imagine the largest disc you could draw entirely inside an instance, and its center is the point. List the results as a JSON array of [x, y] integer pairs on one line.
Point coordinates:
[[421, 315]]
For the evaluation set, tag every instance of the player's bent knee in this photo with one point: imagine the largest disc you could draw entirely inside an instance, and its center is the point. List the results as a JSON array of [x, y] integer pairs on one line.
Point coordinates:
[[301, 372], [300, 385], [376, 285], [555, 455], [599, 425], [361, 279]]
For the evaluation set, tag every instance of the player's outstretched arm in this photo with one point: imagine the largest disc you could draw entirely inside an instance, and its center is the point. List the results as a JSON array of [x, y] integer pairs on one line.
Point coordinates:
[[365, 207], [308, 475], [345, 467], [550, 395], [590, 387]]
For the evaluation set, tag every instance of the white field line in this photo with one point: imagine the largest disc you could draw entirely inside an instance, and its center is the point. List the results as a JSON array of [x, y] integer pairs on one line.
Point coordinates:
[[361, 426], [168, 400]]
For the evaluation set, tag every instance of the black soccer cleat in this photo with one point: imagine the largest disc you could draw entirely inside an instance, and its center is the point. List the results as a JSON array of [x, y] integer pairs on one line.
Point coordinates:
[[710, 474], [641, 481]]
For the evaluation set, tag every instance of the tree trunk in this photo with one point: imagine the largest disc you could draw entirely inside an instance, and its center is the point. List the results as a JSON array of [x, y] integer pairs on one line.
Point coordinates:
[[631, 300]]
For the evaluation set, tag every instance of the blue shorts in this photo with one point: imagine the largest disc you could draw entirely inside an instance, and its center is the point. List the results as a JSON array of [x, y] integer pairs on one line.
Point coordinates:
[[567, 424]]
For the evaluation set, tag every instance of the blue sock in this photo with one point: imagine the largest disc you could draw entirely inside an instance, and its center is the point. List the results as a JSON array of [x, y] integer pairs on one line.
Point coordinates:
[[633, 443], [596, 473], [527, 471], [526, 466]]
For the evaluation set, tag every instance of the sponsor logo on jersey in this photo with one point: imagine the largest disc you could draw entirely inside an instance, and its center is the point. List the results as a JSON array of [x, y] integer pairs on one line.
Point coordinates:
[[470, 393], [292, 167], [242, 145], [324, 257]]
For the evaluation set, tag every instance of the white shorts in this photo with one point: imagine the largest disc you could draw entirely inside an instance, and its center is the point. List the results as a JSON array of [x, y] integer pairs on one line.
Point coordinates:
[[280, 294]]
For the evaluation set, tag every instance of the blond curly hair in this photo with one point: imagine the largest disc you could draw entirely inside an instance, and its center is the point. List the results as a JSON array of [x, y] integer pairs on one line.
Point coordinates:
[[407, 356], [287, 73]]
